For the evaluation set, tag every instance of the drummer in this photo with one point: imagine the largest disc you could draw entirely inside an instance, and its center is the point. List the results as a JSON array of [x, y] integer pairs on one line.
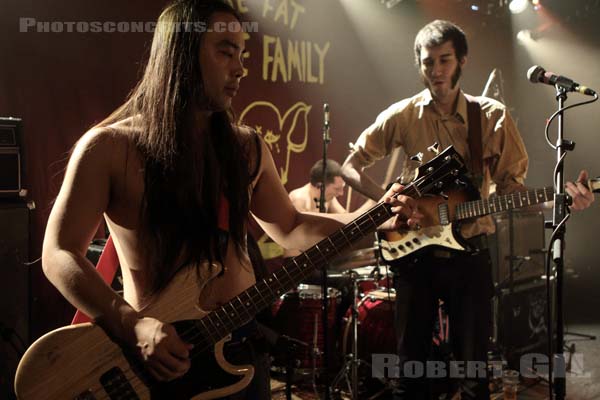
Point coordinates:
[[307, 197]]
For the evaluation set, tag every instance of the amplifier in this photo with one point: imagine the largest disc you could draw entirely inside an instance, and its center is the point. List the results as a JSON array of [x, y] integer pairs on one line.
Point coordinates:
[[521, 326], [10, 170], [11, 163], [518, 245], [93, 254], [15, 294]]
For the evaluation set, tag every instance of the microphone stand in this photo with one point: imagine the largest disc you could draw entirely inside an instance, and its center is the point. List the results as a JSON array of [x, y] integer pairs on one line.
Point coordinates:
[[324, 298], [557, 366]]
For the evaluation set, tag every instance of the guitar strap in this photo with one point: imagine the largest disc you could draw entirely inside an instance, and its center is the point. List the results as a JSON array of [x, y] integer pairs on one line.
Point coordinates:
[[474, 134], [108, 263]]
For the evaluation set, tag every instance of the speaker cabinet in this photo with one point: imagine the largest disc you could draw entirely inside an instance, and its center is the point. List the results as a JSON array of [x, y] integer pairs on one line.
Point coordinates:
[[14, 290], [10, 171], [521, 323], [11, 163], [93, 254], [519, 246]]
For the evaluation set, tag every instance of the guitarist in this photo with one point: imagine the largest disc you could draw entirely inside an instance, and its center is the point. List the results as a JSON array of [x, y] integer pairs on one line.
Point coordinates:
[[176, 180], [490, 143]]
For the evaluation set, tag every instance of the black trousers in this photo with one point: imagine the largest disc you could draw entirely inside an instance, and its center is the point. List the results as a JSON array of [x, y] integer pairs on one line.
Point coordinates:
[[250, 353], [249, 345], [464, 283]]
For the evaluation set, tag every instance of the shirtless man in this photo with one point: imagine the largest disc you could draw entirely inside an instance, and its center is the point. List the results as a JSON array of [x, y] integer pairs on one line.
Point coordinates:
[[175, 180], [307, 197]]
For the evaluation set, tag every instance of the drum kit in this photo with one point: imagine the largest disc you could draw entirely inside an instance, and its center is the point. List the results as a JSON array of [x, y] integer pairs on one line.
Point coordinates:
[[360, 315]]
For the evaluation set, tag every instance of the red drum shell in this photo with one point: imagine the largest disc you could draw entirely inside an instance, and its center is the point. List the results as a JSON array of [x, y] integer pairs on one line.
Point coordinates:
[[297, 313], [376, 333]]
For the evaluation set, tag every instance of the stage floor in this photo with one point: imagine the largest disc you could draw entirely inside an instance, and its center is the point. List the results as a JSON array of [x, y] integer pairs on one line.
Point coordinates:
[[583, 382]]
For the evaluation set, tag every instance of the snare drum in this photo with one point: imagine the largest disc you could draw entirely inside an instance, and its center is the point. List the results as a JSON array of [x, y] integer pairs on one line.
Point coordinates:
[[366, 280], [298, 314]]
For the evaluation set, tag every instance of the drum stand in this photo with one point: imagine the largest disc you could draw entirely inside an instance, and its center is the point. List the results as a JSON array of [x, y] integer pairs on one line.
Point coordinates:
[[349, 371]]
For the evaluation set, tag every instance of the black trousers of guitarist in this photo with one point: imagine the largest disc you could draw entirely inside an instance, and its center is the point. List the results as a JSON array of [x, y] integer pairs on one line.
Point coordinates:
[[250, 344], [464, 282]]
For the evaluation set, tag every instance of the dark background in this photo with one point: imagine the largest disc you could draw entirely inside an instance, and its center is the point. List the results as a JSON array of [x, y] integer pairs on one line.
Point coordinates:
[[60, 84]]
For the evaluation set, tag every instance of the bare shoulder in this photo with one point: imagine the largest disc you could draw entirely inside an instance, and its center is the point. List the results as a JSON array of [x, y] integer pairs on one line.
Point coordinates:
[[248, 137], [106, 145], [300, 198], [245, 131], [104, 140], [296, 194], [253, 146]]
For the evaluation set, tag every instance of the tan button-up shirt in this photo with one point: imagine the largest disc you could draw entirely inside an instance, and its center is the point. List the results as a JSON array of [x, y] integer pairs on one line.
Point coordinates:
[[415, 124]]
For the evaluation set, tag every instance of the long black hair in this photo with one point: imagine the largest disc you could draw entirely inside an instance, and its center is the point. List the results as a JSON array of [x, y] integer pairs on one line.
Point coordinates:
[[186, 171]]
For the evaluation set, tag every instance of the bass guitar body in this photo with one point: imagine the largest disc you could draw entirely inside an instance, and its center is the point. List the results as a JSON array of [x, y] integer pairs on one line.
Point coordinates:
[[81, 362]]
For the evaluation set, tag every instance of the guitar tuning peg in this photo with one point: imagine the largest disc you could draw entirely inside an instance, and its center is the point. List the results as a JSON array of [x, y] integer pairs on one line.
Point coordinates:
[[434, 148], [460, 182], [418, 158]]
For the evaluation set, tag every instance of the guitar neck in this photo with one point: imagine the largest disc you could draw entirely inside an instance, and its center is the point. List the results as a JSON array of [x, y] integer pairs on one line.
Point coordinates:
[[479, 208], [216, 325], [239, 311]]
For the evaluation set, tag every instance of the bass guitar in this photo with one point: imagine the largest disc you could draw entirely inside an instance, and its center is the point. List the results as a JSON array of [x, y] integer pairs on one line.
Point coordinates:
[[81, 362]]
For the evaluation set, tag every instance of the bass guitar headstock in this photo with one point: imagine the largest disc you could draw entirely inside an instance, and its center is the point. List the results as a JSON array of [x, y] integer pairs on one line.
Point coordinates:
[[440, 172]]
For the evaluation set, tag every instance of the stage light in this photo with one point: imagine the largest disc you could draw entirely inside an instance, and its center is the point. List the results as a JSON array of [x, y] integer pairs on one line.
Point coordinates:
[[390, 3], [524, 35], [535, 2], [517, 6], [475, 7]]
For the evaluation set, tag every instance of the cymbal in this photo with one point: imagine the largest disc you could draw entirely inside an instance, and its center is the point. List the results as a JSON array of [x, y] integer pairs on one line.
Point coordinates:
[[354, 259]]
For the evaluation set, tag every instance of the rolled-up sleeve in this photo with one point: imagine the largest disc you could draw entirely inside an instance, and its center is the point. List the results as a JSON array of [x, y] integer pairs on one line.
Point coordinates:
[[379, 139]]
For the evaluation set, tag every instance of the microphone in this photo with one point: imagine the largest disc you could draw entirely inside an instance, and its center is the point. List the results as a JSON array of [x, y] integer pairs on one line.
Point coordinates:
[[538, 74]]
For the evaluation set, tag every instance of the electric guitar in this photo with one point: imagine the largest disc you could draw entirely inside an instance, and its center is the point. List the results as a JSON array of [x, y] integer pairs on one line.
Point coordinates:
[[81, 362], [444, 214]]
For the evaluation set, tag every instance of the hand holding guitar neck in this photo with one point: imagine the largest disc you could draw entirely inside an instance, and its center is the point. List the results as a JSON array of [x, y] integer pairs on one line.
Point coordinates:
[[582, 191]]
